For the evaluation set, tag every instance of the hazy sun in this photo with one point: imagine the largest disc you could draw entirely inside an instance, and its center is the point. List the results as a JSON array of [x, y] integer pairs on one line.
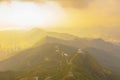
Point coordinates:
[[31, 14]]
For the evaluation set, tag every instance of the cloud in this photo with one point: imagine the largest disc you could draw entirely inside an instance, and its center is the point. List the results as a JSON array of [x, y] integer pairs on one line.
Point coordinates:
[[75, 3], [65, 3], [87, 13]]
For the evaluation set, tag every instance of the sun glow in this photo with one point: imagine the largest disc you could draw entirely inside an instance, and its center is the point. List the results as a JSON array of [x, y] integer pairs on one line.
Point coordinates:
[[31, 14]]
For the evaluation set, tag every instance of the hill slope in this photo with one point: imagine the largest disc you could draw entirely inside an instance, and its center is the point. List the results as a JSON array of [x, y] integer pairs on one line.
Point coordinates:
[[104, 52], [52, 61]]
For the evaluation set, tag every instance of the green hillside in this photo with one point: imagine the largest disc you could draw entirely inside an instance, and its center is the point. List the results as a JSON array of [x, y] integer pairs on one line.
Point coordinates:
[[52, 61], [27, 50]]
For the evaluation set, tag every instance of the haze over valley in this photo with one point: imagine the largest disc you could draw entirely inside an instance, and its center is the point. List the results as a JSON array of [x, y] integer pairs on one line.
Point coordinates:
[[59, 40]]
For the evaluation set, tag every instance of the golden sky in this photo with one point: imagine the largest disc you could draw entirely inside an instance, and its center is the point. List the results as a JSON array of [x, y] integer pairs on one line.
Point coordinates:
[[91, 18]]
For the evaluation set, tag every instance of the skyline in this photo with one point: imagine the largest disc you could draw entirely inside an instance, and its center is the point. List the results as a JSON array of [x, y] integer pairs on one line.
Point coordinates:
[[85, 18]]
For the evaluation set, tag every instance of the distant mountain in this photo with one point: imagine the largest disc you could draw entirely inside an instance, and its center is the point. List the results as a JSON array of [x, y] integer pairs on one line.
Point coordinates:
[[12, 41], [117, 43], [105, 58], [53, 61], [22, 43]]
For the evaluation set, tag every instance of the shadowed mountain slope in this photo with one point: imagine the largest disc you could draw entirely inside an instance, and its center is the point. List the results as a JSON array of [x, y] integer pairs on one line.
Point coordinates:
[[54, 61]]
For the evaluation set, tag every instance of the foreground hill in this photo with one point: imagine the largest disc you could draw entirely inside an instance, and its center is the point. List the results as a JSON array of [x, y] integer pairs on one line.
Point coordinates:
[[106, 53], [52, 61], [19, 40]]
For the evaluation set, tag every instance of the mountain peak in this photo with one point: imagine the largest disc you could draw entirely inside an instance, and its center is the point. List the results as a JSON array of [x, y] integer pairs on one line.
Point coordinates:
[[36, 29]]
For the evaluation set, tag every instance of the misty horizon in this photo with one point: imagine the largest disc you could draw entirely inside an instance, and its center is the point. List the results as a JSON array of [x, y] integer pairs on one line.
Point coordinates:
[[59, 40]]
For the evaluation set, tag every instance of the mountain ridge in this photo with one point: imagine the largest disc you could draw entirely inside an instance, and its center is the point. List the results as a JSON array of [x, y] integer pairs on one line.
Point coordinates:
[[57, 56]]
